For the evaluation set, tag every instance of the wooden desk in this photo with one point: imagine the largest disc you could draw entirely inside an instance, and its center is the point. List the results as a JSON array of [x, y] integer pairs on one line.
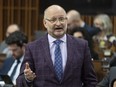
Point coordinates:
[[98, 69]]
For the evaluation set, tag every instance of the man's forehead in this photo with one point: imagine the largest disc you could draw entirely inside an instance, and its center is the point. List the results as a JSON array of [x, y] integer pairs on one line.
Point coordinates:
[[54, 11], [12, 28]]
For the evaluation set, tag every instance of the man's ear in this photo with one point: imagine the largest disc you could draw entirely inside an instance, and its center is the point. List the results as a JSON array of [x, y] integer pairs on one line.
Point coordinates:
[[44, 22]]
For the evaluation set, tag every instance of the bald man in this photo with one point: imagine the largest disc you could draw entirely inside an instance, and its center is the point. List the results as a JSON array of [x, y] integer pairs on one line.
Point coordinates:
[[75, 20], [3, 46], [57, 59]]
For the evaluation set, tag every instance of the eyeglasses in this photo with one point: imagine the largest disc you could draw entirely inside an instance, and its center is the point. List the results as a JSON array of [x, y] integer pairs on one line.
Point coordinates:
[[54, 20]]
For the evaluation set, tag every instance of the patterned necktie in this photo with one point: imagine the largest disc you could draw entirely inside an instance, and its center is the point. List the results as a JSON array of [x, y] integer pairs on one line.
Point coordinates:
[[14, 70], [58, 60]]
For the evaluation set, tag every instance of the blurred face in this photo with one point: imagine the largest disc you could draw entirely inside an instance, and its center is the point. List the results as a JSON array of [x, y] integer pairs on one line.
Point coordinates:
[[78, 35], [11, 29], [74, 23], [17, 52], [98, 23], [56, 22]]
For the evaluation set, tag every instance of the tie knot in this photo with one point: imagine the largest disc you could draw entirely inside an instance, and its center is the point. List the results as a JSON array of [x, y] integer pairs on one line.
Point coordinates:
[[18, 61], [57, 42]]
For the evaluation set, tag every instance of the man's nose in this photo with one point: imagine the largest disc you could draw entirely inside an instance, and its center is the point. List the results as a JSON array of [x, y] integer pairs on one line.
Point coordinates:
[[58, 22]]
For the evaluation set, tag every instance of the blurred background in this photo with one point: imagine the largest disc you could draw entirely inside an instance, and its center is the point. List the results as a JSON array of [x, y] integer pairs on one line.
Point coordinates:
[[28, 14]]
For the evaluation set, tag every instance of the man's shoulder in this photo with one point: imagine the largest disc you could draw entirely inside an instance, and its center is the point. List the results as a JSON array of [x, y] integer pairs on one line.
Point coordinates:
[[37, 42]]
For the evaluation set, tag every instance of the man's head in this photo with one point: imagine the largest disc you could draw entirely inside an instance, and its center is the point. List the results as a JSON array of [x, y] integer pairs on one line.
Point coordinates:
[[74, 19], [55, 21], [12, 28], [16, 44]]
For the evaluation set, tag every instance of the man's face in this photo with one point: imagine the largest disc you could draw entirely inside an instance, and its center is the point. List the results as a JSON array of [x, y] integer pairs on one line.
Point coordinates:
[[73, 23], [17, 51], [56, 23]]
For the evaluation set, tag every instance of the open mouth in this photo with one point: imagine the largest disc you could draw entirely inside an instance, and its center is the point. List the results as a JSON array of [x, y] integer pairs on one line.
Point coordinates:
[[58, 28]]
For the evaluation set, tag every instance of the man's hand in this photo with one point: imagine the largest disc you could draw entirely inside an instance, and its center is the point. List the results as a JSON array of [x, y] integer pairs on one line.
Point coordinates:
[[29, 74]]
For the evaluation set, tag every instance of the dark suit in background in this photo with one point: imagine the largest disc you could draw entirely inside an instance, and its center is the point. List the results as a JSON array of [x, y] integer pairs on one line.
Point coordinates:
[[91, 31], [78, 70], [7, 65]]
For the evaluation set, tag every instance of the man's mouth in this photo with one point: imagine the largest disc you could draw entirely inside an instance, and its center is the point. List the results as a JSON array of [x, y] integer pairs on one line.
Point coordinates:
[[58, 28]]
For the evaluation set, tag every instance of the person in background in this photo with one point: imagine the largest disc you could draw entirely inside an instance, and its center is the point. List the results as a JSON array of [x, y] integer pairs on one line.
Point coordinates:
[[46, 65], [16, 43], [103, 22], [75, 20], [3, 46], [79, 32]]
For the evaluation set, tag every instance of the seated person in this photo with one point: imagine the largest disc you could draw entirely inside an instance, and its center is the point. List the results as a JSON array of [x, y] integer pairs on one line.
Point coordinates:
[[75, 20], [3, 46], [103, 22], [16, 43]]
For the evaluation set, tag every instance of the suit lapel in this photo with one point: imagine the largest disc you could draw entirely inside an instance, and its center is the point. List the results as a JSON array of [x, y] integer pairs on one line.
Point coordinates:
[[46, 49], [70, 46], [70, 54]]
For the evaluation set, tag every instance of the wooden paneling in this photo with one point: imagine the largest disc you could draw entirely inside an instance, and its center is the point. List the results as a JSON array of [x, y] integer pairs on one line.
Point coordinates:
[[1, 19], [22, 12]]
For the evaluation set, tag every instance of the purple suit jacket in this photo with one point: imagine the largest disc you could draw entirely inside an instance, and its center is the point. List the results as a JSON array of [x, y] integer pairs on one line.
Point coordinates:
[[78, 71]]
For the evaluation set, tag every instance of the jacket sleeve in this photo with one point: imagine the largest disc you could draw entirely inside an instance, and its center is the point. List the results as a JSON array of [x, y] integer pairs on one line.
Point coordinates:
[[21, 81]]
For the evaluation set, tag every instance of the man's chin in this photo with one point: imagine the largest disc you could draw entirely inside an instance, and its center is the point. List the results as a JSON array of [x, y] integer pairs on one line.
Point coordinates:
[[59, 34]]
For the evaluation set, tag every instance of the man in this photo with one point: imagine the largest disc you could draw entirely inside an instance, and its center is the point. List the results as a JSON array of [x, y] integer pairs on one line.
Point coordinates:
[[3, 46], [16, 44], [46, 65], [75, 20]]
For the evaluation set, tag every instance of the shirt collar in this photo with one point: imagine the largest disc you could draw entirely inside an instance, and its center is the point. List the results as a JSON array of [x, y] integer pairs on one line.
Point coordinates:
[[52, 39], [83, 24], [21, 59]]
